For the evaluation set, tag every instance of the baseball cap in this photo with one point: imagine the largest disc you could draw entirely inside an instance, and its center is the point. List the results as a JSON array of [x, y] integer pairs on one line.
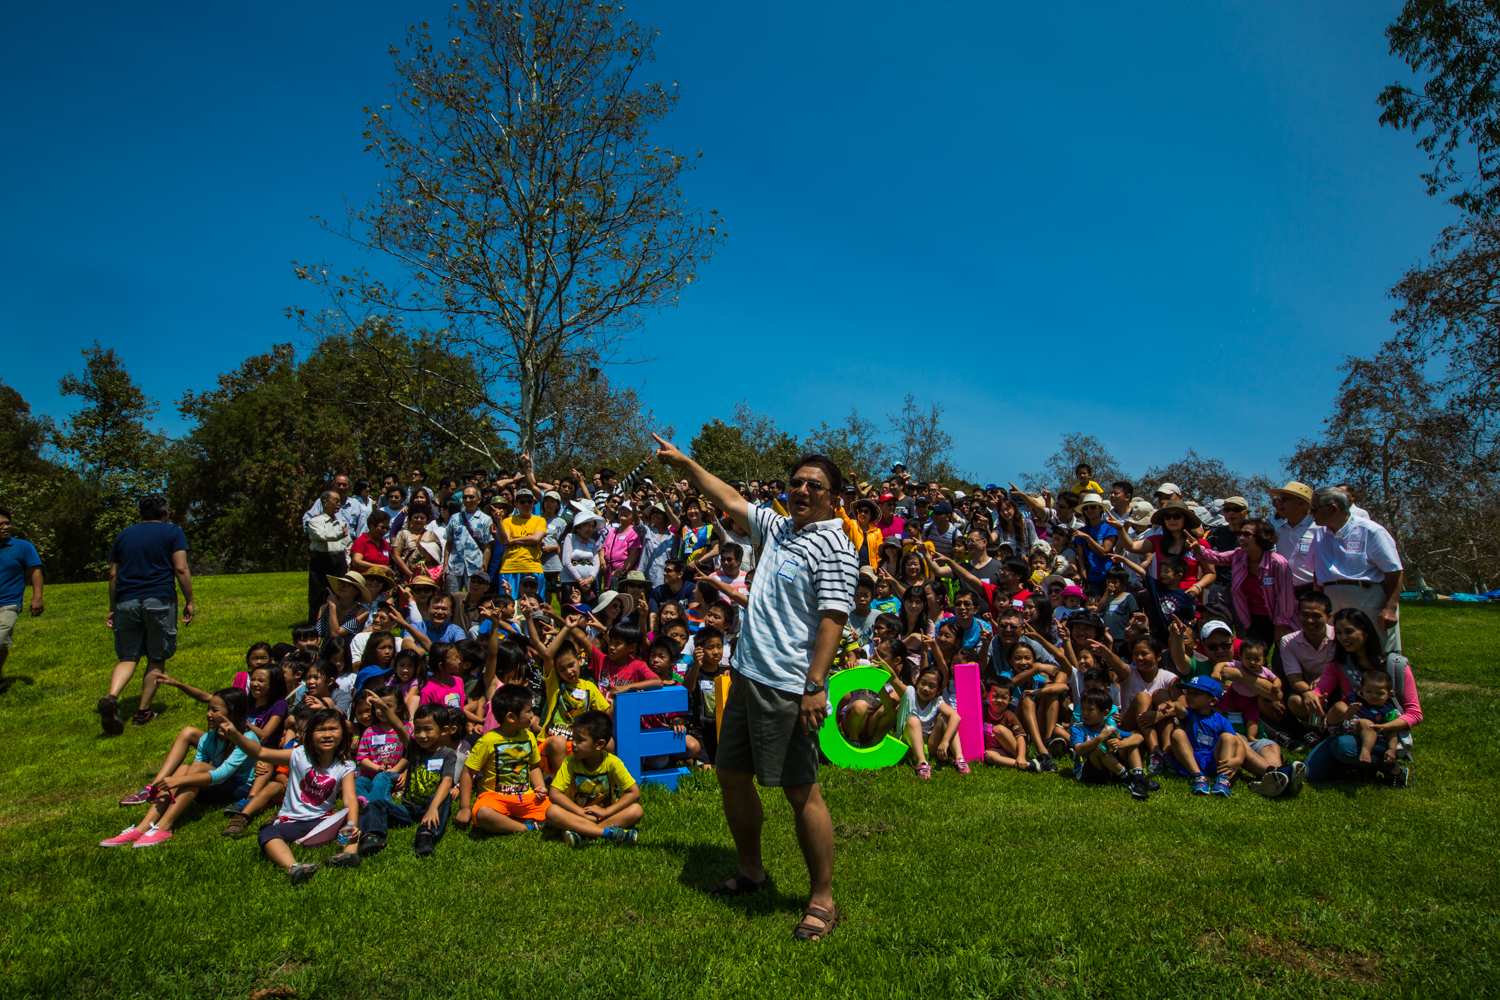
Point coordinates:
[[1072, 591], [1169, 489], [887, 497], [1235, 501], [525, 491], [942, 507], [959, 494], [1204, 683], [1210, 627]]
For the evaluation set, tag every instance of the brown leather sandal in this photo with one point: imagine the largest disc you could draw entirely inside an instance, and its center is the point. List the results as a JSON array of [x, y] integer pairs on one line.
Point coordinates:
[[739, 885], [807, 932]]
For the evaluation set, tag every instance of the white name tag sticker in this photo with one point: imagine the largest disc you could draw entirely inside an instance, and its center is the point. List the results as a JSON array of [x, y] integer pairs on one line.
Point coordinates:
[[1305, 545], [1268, 581], [579, 694], [435, 765], [788, 569]]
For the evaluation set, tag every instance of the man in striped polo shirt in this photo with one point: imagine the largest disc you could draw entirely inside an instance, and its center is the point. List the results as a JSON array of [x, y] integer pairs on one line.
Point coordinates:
[[801, 597]]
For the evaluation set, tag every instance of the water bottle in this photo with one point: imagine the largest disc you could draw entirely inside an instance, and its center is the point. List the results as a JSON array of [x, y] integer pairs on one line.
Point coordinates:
[[347, 834]]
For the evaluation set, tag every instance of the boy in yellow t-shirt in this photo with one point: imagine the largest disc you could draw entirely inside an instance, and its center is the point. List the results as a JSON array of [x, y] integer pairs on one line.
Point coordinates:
[[593, 794], [503, 763], [568, 696], [1085, 481], [522, 534]]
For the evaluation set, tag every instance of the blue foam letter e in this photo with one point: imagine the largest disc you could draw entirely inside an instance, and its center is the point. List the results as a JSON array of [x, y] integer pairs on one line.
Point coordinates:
[[633, 743]]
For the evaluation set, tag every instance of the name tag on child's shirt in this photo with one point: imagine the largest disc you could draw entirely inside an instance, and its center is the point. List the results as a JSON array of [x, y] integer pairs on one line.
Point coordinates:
[[451, 701], [435, 765], [579, 694], [1236, 720], [380, 740]]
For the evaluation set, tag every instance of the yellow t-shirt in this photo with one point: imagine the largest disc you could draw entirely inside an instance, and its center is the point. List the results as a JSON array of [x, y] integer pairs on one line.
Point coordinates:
[[523, 558], [1088, 487], [564, 705], [504, 763], [598, 787]]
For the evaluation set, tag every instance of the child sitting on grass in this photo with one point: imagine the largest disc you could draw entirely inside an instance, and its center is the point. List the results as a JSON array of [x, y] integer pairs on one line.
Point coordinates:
[[506, 767], [382, 745], [221, 774], [1004, 736], [567, 693], [430, 767], [593, 794], [269, 785], [708, 652], [928, 724], [1365, 714], [320, 774], [1102, 754], [1203, 740]]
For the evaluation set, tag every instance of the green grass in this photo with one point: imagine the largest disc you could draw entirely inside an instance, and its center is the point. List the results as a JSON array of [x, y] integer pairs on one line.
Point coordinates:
[[996, 885]]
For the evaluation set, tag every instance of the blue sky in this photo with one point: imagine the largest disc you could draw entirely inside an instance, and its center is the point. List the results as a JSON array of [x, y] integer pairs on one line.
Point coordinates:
[[1004, 209]]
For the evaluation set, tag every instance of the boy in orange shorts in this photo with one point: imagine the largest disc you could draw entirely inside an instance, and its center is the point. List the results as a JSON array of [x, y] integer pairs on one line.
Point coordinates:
[[506, 766]]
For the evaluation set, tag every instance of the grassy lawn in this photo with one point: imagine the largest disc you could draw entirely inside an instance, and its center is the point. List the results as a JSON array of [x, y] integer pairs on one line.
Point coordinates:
[[994, 885]]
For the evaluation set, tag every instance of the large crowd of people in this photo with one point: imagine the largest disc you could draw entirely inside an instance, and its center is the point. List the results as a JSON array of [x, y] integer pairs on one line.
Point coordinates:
[[467, 638]]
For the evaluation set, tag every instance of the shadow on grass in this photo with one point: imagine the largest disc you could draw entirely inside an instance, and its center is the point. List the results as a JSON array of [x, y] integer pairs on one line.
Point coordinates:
[[704, 865]]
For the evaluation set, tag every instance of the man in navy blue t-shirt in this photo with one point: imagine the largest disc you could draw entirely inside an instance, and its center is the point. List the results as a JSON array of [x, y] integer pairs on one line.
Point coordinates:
[[19, 566], [147, 563]]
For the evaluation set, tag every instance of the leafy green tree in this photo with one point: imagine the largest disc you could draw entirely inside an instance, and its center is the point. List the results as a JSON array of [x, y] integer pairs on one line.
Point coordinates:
[[855, 445], [1456, 45], [46, 499], [117, 457], [751, 447]]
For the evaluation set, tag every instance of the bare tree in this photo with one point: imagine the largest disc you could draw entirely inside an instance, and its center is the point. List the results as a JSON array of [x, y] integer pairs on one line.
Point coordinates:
[[1451, 308], [1423, 465], [1073, 450], [921, 443], [532, 218]]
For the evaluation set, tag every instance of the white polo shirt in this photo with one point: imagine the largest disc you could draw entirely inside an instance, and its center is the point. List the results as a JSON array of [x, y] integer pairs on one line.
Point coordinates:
[[800, 574], [1294, 544], [1360, 551]]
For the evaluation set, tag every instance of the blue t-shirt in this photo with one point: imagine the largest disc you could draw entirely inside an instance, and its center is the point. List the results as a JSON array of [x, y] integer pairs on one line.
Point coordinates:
[[17, 556], [1082, 733], [143, 553], [1096, 563], [971, 635], [448, 633], [1203, 731]]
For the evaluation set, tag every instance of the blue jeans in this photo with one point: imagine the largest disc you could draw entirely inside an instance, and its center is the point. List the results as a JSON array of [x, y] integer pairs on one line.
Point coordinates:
[[1338, 757], [375, 786], [383, 812]]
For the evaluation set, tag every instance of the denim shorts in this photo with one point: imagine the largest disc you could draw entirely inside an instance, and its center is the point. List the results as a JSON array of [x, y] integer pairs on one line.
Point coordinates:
[[145, 627]]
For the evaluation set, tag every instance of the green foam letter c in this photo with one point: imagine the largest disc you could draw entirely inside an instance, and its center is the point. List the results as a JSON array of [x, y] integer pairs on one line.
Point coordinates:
[[835, 747]]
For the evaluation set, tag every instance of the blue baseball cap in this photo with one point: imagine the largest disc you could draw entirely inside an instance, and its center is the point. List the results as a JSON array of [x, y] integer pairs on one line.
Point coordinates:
[[1204, 683], [942, 507]]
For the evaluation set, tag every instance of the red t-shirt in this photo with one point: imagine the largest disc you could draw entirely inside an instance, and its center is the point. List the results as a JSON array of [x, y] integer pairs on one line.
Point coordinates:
[[996, 598], [608, 676], [378, 553]]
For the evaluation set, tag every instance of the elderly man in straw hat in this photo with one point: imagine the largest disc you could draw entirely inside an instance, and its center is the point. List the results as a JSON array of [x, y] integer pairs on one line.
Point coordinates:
[[1295, 531]]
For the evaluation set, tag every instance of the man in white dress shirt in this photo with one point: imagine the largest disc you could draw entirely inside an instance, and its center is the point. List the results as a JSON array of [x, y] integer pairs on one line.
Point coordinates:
[[1356, 563]]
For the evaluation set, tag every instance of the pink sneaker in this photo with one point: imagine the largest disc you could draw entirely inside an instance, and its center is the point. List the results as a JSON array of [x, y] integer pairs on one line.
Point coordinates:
[[127, 836], [139, 798], [153, 837], [961, 764], [924, 771]]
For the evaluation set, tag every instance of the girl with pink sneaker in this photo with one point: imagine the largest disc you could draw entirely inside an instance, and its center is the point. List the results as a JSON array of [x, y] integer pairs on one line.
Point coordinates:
[[221, 774]]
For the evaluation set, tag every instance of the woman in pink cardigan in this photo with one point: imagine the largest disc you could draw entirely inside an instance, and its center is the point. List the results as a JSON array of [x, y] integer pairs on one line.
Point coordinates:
[[1358, 649], [1260, 582]]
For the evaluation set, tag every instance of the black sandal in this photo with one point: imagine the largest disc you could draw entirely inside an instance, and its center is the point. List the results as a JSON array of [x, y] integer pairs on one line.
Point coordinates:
[[739, 885], [807, 932]]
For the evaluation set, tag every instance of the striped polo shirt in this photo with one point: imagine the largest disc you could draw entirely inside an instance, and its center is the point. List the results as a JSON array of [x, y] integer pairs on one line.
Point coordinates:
[[799, 575]]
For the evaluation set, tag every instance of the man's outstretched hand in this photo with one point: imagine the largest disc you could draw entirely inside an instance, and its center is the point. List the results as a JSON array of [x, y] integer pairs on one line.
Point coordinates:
[[669, 454]]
